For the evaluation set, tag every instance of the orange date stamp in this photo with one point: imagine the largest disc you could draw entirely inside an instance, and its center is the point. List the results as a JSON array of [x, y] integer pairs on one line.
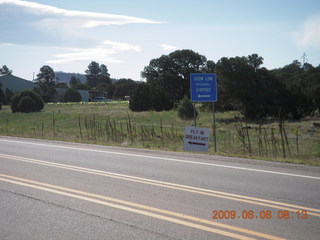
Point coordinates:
[[263, 214]]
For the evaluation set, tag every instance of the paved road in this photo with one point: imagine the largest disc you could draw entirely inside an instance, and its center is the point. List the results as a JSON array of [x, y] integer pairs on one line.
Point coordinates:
[[56, 190]]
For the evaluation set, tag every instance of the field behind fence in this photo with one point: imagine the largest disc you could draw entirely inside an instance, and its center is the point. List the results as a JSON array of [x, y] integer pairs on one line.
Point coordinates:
[[114, 124]]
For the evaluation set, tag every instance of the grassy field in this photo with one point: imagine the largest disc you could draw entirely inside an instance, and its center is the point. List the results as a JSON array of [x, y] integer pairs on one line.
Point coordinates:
[[114, 124]]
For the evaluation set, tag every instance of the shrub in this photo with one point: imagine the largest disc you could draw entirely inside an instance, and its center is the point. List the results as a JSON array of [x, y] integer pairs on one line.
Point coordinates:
[[27, 105], [2, 97], [186, 109], [17, 105], [72, 95], [159, 99], [147, 97], [8, 95], [140, 100]]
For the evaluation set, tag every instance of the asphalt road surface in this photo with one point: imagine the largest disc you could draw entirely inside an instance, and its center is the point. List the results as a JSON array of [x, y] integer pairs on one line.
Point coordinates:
[[58, 190]]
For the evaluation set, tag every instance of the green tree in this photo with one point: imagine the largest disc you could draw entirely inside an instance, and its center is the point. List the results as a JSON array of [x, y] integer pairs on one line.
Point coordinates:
[[5, 70], [72, 95], [2, 97], [313, 88], [27, 105], [172, 72], [210, 67], [92, 74], [97, 74], [302, 85], [104, 76], [46, 75], [20, 102], [124, 87], [81, 86], [106, 87], [139, 100], [159, 99], [251, 89], [254, 60], [186, 109], [8, 95], [46, 82], [61, 85], [146, 97], [74, 81]]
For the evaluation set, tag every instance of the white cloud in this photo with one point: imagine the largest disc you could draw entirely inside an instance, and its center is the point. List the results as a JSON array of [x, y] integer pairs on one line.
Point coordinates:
[[120, 46], [309, 35], [45, 24], [6, 44], [26, 23], [166, 47], [84, 19], [104, 52]]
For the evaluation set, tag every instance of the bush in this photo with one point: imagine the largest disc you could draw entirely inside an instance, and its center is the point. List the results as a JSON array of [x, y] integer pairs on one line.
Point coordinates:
[[2, 97], [139, 100], [72, 95], [147, 97], [186, 109], [26, 101], [159, 99], [8, 95], [27, 105]]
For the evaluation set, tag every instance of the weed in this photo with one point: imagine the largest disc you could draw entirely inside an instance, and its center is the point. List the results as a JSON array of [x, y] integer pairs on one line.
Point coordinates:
[[113, 124]]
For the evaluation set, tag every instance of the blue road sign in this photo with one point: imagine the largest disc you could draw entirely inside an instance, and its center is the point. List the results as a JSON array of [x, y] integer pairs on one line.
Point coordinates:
[[203, 87]]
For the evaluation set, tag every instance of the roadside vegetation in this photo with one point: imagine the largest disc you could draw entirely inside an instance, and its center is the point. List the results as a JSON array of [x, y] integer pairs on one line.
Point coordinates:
[[114, 124], [267, 114]]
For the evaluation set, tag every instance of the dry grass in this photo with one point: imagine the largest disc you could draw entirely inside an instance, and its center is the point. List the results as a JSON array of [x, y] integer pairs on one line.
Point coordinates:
[[114, 124]]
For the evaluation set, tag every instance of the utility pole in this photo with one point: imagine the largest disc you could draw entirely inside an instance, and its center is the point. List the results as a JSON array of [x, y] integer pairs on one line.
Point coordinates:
[[304, 58]]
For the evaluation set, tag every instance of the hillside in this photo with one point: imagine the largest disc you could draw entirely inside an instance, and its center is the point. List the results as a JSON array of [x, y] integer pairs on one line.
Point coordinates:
[[65, 77]]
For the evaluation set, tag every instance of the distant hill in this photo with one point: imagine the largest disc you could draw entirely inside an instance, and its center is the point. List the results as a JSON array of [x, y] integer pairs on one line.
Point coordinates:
[[65, 77]]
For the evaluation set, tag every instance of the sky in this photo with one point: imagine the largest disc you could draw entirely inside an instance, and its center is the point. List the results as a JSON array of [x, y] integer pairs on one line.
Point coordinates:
[[126, 34]]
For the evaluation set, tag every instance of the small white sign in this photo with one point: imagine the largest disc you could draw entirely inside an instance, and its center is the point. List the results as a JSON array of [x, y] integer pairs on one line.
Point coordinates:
[[196, 139]]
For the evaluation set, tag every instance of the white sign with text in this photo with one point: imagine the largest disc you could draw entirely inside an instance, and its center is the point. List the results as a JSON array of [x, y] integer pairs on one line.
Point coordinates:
[[196, 139]]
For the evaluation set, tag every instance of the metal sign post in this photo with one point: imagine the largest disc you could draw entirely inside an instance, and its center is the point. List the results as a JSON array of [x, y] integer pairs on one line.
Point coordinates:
[[194, 115], [214, 128], [203, 88]]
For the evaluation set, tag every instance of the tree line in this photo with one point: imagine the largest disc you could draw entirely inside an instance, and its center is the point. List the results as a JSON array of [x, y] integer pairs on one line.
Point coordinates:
[[290, 92], [97, 78]]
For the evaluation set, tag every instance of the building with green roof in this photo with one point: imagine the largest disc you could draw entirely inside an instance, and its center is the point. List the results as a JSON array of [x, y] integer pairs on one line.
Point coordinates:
[[15, 84]]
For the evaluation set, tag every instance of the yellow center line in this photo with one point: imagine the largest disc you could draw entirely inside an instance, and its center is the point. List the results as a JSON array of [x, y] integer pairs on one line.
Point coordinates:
[[202, 191], [156, 212]]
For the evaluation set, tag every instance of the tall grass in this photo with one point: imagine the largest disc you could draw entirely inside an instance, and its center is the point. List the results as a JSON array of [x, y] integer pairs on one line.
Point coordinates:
[[114, 124], [269, 140]]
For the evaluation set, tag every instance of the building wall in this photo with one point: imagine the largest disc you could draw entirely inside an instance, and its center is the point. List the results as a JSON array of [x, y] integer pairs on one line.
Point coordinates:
[[97, 96], [84, 94]]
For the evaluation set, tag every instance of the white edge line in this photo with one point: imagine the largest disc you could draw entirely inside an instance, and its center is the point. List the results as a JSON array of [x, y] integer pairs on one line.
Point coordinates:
[[162, 158]]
